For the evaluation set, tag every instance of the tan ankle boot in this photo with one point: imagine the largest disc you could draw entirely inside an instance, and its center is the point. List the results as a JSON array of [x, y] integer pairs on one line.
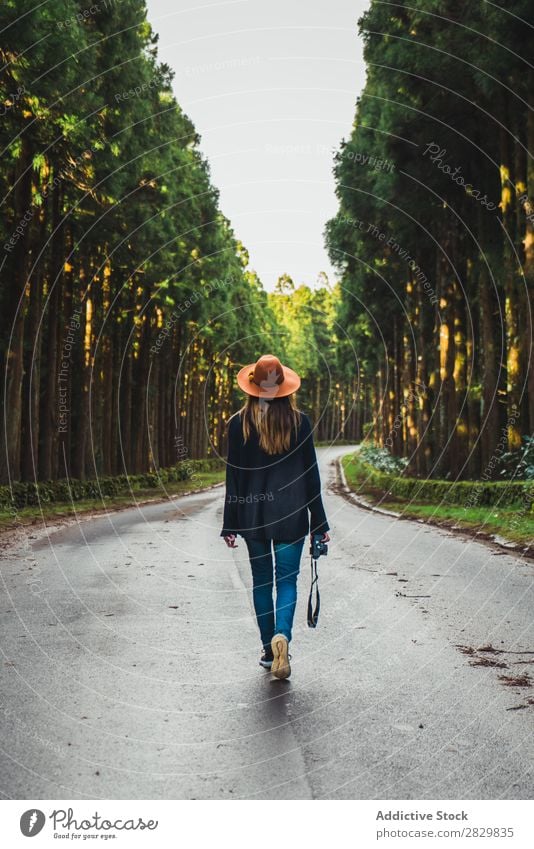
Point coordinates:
[[280, 667]]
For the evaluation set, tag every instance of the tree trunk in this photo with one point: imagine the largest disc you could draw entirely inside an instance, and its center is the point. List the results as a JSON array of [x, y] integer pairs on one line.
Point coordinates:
[[528, 211], [32, 371], [513, 355], [53, 417], [12, 325]]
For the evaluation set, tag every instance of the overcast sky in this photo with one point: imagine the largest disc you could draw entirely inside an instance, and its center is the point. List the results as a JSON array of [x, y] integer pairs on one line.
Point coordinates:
[[271, 87]]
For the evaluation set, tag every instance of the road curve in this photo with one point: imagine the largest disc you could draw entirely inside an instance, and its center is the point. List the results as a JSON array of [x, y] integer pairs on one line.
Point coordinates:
[[129, 663]]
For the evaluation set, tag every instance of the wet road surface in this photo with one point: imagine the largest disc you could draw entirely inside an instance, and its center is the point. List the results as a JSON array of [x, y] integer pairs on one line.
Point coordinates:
[[129, 663]]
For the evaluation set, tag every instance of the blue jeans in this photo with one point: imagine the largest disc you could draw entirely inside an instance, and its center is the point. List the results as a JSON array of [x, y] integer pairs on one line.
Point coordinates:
[[287, 563]]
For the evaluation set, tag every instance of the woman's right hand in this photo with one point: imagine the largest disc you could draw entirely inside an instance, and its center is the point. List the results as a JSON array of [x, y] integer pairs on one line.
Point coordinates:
[[230, 541], [325, 537]]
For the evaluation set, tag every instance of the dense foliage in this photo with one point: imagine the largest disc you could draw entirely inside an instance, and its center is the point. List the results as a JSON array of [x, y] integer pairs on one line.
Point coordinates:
[[127, 304], [124, 294], [307, 337], [32, 493], [366, 478], [518, 464], [381, 459], [434, 238]]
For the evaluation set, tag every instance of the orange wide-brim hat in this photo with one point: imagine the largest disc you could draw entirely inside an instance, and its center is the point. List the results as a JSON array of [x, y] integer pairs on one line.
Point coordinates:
[[268, 378]]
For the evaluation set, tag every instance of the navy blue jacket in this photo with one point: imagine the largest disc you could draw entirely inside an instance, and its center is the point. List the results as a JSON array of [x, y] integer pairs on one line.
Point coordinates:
[[269, 496]]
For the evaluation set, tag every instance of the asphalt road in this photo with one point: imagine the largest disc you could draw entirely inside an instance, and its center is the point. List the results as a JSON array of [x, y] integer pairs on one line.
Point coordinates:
[[129, 664]]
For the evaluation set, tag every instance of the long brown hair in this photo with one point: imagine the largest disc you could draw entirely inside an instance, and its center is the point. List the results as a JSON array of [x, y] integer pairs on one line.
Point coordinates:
[[273, 420]]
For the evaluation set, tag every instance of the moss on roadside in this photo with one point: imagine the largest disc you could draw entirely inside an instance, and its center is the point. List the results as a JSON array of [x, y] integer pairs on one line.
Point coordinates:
[[513, 522], [58, 510]]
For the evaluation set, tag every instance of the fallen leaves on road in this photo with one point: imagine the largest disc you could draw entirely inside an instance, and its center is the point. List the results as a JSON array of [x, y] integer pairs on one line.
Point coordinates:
[[507, 680], [489, 649], [516, 681], [488, 661], [403, 595], [527, 704]]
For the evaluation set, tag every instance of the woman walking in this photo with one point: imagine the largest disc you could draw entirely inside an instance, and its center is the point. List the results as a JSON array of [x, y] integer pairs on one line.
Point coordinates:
[[272, 484]]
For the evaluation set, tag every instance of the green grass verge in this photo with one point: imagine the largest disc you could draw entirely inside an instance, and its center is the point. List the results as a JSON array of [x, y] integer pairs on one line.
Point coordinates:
[[34, 514], [28, 493], [509, 513]]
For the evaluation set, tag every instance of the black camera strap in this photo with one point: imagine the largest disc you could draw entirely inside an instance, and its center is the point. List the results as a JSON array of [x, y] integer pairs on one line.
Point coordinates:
[[313, 615]]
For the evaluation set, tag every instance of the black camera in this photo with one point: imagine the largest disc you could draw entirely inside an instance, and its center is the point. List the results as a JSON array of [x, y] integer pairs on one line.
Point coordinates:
[[317, 546]]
